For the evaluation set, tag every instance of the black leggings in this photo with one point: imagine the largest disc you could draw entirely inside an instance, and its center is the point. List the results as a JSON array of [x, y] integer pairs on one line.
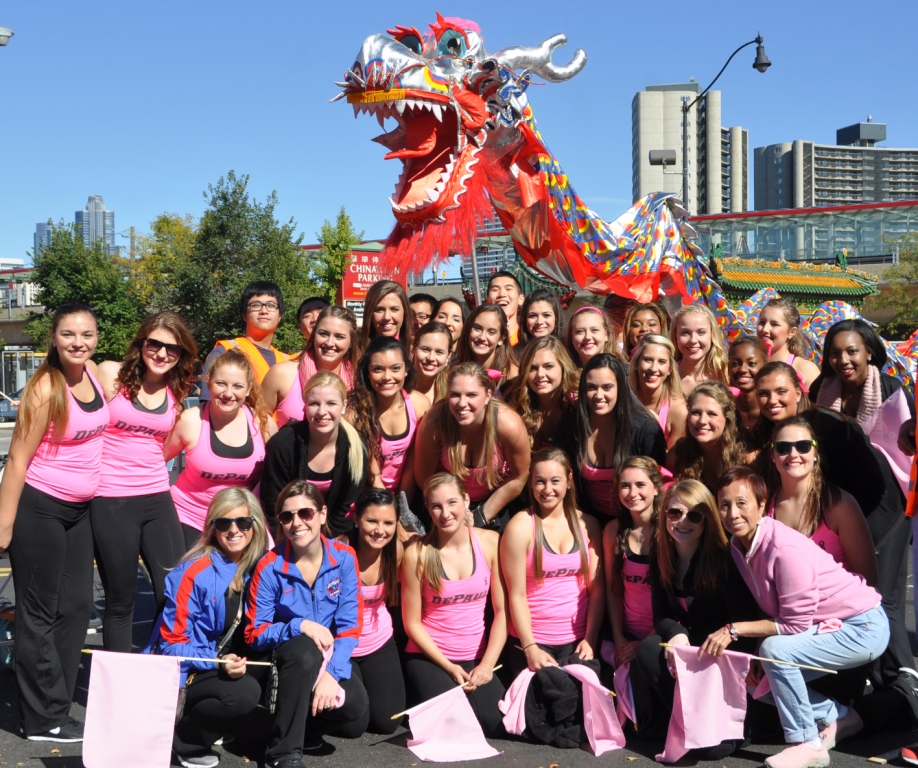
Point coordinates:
[[214, 701], [124, 528], [518, 660], [381, 675], [653, 689], [191, 535], [51, 558], [427, 679], [298, 661]]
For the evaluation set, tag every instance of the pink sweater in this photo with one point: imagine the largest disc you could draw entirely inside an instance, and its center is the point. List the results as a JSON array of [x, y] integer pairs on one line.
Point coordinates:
[[796, 582]]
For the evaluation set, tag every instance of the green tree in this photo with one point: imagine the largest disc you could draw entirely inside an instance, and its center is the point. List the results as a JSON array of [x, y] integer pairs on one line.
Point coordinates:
[[238, 240], [329, 264], [899, 293], [67, 271], [160, 254]]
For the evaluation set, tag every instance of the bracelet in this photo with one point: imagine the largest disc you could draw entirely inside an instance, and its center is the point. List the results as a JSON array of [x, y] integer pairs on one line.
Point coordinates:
[[529, 646], [733, 634]]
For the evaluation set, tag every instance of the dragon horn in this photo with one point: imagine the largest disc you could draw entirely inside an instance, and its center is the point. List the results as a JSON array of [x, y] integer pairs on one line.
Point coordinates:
[[538, 59]]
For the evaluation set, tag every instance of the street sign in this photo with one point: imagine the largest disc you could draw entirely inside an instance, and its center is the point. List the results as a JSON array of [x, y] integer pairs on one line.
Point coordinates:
[[364, 270]]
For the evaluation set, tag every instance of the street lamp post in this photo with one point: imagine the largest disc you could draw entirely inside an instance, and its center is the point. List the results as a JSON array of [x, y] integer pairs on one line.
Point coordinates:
[[5, 34], [761, 63]]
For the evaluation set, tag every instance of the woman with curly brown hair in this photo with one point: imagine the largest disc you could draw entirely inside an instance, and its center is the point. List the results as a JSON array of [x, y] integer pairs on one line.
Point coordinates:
[[223, 439], [133, 513], [713, 442], [385, 412], [545, 395]]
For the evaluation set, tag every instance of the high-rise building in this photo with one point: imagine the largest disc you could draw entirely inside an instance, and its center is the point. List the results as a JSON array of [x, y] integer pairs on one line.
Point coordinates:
[[717, 156], [97, 223], [42, 236], [803, 174]]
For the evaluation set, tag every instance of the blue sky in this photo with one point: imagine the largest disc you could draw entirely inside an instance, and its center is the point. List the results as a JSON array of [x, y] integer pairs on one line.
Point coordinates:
[[146, 102]]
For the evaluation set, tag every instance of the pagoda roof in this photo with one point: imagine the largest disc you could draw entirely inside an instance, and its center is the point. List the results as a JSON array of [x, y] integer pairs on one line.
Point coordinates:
[[828, 280]]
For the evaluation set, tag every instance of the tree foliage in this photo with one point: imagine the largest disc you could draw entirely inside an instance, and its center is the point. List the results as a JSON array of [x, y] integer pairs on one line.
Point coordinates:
[[238, 240], [160, 254], [68, 271], [901, 290], [329, 264]]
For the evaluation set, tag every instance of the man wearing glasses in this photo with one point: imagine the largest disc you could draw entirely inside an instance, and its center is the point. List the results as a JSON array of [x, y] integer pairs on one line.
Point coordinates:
[[262, 307]]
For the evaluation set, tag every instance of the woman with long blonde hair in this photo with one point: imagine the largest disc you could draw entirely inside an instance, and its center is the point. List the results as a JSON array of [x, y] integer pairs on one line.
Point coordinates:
[[480, 440], [551, 559], [205, 601], [544, 397], [589, 333], [448, 578], [700, 349], [223, 439], [323, 448], [654, 377]]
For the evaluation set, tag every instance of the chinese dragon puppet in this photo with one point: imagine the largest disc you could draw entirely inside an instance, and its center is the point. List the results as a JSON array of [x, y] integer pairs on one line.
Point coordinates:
[[469, 147]]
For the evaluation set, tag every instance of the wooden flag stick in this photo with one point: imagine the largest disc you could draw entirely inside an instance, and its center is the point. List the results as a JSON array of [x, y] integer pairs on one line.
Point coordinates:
[[461, 685], [212, 661], [775, 661]]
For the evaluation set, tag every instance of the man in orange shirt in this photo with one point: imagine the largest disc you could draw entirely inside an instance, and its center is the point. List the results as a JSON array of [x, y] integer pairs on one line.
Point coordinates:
[[262, 307]]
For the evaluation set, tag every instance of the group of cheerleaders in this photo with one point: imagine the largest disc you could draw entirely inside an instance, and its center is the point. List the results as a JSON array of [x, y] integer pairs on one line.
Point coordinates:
[[411, 505]]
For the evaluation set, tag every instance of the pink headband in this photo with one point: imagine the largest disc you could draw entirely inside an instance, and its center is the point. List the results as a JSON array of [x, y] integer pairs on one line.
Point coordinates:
[[587, 308]]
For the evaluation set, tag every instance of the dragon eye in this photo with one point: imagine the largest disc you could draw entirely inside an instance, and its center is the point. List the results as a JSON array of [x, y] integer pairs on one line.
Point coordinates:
[[451, 43], [409, 37]]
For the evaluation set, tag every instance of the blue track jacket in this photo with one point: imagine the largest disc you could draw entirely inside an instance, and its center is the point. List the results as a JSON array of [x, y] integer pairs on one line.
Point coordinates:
[[279, 600], [194, 617]]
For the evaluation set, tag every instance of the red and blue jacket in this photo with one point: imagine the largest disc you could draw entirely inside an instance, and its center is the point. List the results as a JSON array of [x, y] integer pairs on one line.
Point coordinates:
[[194, 617], [279, 600]]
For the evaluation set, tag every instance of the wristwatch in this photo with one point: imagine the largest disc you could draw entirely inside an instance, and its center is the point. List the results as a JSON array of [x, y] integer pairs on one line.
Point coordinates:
[[732, 630]]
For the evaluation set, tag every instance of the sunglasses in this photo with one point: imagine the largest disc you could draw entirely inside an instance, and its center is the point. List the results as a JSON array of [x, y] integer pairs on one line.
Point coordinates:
[[223, 524], [305, 514], [693, 515], [783, 447], [172, 350]]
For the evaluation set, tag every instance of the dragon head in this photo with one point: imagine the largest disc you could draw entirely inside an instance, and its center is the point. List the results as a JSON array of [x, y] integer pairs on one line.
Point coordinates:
[[451, 102]]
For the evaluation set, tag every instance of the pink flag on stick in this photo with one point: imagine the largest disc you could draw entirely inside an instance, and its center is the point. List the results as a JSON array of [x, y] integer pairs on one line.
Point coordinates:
[[130, 711], [713, 690], [444, 729]]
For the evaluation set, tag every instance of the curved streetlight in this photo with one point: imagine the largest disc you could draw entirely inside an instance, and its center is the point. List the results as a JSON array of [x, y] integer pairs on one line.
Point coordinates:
[[5, 34], [760, 64]]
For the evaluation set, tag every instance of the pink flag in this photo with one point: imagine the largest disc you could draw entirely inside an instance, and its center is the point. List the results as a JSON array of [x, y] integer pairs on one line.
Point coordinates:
[[600, 720], [624, 697], [444, 729], [713, 690], [326, 656], [883, 429], [130, 711]]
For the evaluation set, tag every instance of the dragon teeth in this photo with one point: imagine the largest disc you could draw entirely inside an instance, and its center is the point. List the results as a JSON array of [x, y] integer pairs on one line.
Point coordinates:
[[356, 110], [400, 106], [436, 109], [381, 119], [433, 195]]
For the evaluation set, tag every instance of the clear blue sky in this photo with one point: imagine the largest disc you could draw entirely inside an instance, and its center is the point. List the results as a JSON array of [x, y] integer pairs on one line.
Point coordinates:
[[146, 102]]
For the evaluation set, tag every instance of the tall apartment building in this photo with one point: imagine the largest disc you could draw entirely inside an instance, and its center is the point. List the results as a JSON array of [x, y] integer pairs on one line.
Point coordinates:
[[717, 156], [803, 174], [42, 236], [97, 224]]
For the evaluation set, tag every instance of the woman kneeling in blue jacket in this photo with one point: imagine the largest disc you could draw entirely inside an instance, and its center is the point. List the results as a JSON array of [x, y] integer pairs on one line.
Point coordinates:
[[205, 596], [305, 599]]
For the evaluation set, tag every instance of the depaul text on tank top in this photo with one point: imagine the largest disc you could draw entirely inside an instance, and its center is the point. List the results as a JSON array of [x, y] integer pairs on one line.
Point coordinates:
[[454, 599], [85, 434], [635, 578], [226, 475], [140, 429]]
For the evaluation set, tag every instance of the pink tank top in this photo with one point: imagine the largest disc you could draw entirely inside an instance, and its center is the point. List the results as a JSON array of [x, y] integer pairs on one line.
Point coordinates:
[[476, 484], [393, 450], [663, 418], [454, 617], [790, 359], [637, 598], [132, 449], [206, 474], [70, 470], [600, 488], [323, 486], [824, 536], [558, 606], [291, 407], [377, 621]]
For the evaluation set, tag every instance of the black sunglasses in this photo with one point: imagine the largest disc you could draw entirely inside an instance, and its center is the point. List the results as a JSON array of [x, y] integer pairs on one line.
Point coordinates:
[[305, 514], [172, 350], [223, 524], [783, 447], [695, 517]]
